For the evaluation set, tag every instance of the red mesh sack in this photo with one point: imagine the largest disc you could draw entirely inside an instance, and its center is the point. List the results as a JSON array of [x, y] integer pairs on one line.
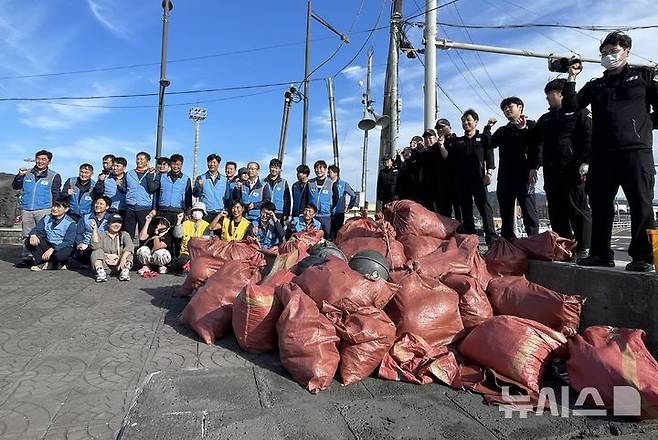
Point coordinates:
[[209, 312], [416, 246], [408, 217], [503, 258], [363, 226], [308, 345], [333, 281], [310, 237], [412, 359], [456, 255], [547, 246], [292, 245], [474, 306], [425, 308], [606, 357], [255, 313], [366, 334], [393, 250], [513, 347], [201, 268], [517, 296]]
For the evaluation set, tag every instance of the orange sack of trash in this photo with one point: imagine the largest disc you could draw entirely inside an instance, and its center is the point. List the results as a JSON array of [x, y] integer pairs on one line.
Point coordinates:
[[517, 296], [414, 360], [547, 246], [503, 258], [474, 306], [333, 281], [366, 334], [409, 217], [308, 345], [255, 313], [456, 255], [363, 226], [209, 311], [393, 250], [513, 347], [607, 357], [417, 246], [425, 308]]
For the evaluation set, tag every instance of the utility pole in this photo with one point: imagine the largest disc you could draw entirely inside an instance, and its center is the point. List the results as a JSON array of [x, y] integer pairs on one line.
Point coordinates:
[[287, 103], [332, 116], [167, 6], [196, 114], [388, 139], [307, 72], [430, 63]]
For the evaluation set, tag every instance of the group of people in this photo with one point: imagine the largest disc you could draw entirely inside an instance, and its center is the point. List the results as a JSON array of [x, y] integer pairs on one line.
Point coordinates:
[[97, 223], [586, 156]]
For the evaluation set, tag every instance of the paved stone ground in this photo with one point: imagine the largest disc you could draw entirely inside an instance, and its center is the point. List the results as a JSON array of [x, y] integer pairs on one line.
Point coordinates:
[[81, 360]]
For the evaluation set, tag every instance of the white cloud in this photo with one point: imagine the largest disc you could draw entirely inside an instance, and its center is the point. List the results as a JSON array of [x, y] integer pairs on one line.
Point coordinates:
[[105, 12]]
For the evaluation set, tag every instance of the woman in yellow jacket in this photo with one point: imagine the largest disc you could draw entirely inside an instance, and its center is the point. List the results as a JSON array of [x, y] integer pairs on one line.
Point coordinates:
[[233, 227]]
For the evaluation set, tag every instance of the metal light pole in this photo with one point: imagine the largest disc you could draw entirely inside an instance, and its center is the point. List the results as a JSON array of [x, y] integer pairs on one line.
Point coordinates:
[[287, 103], [197, 114], [366, 125], [430, 63], [388, 139], [332, 117], [167, 6]]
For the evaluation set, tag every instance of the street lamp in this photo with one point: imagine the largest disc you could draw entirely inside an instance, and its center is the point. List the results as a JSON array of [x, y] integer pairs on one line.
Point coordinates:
[[196, 114], [167, 6]]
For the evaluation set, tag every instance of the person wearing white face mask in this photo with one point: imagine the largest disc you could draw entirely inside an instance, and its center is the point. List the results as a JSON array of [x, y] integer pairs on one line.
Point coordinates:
[[195, 227], [621, 153]]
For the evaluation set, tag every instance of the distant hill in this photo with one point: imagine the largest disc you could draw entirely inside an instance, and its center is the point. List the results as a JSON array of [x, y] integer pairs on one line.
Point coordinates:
[[8, 200]]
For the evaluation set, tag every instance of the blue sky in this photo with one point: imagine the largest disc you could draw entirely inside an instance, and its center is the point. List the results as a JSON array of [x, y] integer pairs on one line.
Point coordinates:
[[39, 37]]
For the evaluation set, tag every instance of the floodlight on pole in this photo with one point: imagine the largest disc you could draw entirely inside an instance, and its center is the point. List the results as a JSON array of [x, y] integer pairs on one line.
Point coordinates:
[[197, 114]]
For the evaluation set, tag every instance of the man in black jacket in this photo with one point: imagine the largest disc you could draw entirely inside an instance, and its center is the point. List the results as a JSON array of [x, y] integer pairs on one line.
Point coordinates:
[[473, 166], [387, 182], [621, 148], [562, 141], [517, 175]]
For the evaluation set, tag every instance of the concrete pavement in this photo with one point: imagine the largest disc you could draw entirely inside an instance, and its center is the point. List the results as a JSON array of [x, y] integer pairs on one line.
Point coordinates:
[[81, 360]]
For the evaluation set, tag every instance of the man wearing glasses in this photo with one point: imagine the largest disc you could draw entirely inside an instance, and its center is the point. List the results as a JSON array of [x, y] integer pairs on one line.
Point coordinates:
[[621, 152]]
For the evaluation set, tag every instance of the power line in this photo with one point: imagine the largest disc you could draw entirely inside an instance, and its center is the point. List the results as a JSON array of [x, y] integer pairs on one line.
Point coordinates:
[[442, 89], [433, 9], [549, 25]]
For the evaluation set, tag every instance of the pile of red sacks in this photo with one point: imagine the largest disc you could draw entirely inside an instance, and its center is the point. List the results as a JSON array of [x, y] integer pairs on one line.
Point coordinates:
[[447, 314]]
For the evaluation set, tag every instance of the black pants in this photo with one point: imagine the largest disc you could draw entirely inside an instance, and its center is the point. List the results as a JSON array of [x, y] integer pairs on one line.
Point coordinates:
[[568, 209], [633, 170], [337, 222], [79, 258], [471, 191], [58, 257], [177, 263], [325, 222], [134, 219], [509, 191]]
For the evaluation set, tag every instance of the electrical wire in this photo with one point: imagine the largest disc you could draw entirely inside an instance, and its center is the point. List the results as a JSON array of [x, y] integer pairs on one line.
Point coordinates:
[[442, 89], [550, 25], [433, 9]]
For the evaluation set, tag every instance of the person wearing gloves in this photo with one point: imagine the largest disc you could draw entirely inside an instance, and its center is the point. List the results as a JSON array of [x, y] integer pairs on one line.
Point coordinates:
[[112, 249], [51, 240], [621, 155], [267, 230], [157, 244], [184, 230]]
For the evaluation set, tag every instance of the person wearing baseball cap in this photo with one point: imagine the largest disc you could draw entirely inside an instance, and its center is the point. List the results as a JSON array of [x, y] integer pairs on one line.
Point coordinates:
[[112, 249], [194, 227]]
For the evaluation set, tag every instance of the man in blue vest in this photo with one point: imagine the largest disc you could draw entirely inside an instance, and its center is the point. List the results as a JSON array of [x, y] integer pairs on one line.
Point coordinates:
[[305, 221], [210, 188], [300, 190], [139, 200], [343, 188], [174, 194], [84, 230], [231, 170], [114, 185], [280, 191], [108, 164], [323, 194], [80, 192], [39, 188], [51, 240], [267, 230], [253, 193]]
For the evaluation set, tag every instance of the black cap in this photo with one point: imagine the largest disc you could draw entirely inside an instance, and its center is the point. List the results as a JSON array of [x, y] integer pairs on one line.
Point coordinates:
[[429, 132], [444, 122], [242, 170], [115, 218]]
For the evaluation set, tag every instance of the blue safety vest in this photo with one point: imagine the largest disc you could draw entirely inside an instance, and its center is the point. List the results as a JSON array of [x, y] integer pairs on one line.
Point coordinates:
[[80, 204], [299, 225], [116, 193], [137, 195], [230, 190], [267, 237], [297, 193], [212, 193], [321, 196], [83, 233], [37, 193], [255, 195], [56, 233], [341, 186], [172, 192], [278, 193]]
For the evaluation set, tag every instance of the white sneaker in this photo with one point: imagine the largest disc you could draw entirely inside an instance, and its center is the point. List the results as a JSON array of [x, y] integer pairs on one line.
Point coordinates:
[[39, 267], [101, 276], [124, 275], [162, 269]]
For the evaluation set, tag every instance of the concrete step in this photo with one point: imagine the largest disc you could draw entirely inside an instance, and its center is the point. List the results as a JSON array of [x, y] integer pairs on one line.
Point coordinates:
[[11, 235]]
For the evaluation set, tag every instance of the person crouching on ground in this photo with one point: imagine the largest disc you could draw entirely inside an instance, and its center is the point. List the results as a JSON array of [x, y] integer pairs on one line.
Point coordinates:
[[195, 227], [157, 244], [234, 227], [267, 230], [112, 249], [306, 221], [51, 240]]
